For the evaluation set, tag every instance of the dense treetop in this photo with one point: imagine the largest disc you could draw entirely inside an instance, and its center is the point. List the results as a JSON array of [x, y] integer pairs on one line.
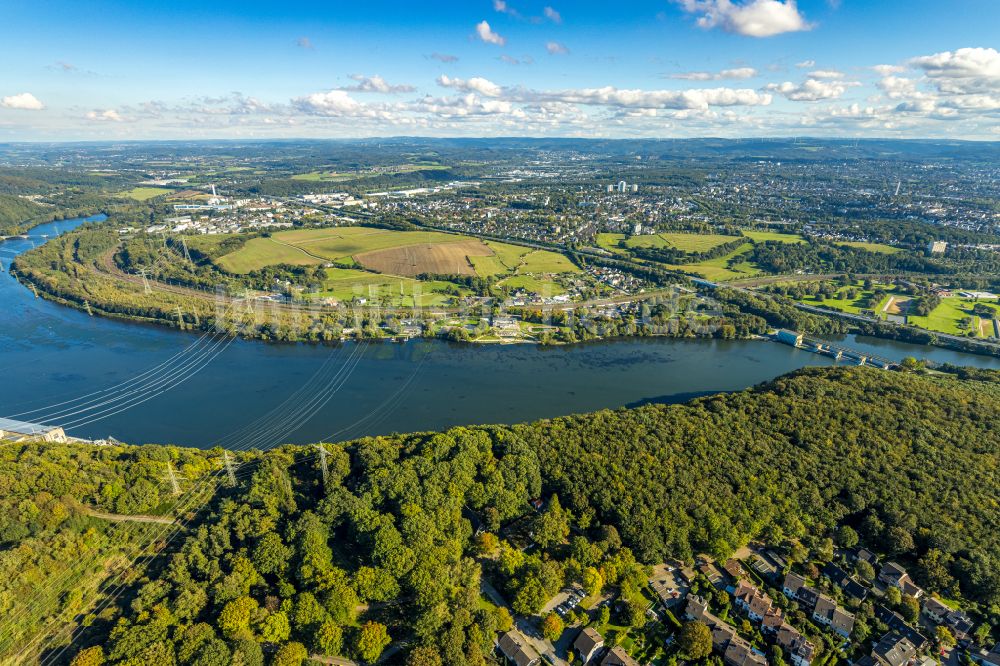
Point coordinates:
[[386, 550]]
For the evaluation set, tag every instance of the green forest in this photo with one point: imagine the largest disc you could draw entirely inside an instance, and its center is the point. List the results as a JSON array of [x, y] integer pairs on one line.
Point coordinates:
[[382, 557]]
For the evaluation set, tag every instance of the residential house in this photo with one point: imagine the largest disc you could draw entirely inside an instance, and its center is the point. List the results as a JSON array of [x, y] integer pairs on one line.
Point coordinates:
[[845, 581], [893, 650], [896, 623], [984, 658], [798, 648], [517, 651], [588, 644], [734, 569], [738, 652], [616, 656], [961, 625], [712, 573], [935, 610], [893, 575], [752, 601], [827, 613], [793, 583], [772, 620], [866, 555]]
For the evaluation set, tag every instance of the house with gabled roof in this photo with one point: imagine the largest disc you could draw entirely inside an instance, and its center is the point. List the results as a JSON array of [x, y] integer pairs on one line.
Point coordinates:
[[588, 644], [894, 575], [795, 644]]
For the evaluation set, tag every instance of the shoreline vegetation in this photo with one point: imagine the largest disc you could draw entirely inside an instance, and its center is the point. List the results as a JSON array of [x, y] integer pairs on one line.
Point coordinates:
[[384, 544], [87, 269]]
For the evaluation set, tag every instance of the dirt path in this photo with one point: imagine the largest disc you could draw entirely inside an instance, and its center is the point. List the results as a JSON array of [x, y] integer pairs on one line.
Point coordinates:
[[121, 518]]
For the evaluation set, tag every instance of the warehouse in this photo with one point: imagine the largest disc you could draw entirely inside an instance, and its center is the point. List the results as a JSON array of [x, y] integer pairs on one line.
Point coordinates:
[[20, 431]]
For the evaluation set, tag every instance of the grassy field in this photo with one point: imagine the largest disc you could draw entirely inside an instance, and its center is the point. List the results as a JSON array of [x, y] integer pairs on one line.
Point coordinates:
[[509, 255], [540, 285], [543, 261], [313, 246], [718, 270], [872, 247], [764, 236], [260, 252], [681, 241], [345, 284], [145, 193], [945, 318], [854, 306], [609, 242]]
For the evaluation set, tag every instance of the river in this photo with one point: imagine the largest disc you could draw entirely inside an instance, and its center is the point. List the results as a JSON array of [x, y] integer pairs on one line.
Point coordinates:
[[256, 394]]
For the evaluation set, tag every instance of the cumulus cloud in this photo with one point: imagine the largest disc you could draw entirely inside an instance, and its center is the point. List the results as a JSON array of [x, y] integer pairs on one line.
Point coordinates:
[[736, 74], [376, 84], [812, 89], [334, 103], [752, 18], [653, 99], [446, 58], [105, 115], [964, 71], [552, 15], [555, 48], [476, 84], [22, 101], [485, 33], [887, 70]]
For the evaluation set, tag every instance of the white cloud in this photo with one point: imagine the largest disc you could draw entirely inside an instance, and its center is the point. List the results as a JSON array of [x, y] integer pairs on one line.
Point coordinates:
[[476, 84], [446, 58], [336, 103], [737, 73], [552, 15], [22, 101], [826, 74], [806, 64], [376, 84], [752, 18], [555, 48], [502, 7], [487, 35], [966, 70], [887, 70], [105, 115], [811, 90], [653, 99]]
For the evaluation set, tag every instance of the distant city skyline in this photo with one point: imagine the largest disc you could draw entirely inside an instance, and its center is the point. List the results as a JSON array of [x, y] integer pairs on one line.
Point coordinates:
[[107, 69]]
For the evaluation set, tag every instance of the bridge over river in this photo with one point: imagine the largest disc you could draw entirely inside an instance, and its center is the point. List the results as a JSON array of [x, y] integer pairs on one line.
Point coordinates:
[[832, 350]]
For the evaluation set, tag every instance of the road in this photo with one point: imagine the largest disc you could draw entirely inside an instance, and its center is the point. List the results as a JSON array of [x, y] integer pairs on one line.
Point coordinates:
[[526, 628]]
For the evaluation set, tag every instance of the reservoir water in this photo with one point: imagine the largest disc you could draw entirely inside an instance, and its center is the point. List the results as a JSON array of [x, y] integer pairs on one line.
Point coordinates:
[[262, 395]]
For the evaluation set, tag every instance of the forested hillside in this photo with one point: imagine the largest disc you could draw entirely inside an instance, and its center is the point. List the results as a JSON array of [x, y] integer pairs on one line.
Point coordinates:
[[14, 211], [383, 556]]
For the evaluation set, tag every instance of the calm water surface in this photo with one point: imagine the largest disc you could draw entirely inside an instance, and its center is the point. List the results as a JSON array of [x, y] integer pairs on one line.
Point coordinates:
[[258, 394]]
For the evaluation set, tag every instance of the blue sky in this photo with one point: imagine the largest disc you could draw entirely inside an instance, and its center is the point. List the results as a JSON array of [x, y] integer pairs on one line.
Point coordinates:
[[181, 69]]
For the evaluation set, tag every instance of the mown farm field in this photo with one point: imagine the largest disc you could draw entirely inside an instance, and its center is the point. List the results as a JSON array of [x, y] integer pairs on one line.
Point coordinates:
[[368, 262]]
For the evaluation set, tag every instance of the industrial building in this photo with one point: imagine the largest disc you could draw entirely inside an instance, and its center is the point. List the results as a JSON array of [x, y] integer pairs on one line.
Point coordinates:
[[20, 431]]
